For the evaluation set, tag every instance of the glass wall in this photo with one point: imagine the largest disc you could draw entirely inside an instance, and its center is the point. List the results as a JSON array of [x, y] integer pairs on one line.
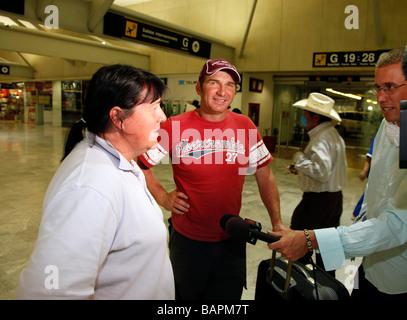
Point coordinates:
[[72, 104], [73, 99], [360, 113], [286, 118]]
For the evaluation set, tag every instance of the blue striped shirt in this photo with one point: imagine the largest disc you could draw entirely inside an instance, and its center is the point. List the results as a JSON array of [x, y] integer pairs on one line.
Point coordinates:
[[382, 238]]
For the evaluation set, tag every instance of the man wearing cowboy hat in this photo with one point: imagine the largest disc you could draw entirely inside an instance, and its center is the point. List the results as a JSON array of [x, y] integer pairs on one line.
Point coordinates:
[[321, 168]]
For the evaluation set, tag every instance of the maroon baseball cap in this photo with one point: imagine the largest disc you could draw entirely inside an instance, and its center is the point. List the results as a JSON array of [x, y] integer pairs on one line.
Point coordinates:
[[215, 65]]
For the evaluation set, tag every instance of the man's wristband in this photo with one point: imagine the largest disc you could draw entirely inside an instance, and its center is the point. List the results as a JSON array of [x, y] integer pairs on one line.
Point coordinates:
[[308, 238]]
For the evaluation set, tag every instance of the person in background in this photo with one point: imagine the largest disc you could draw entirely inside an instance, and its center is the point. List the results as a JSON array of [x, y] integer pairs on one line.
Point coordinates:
[[321, 168], [102, 234], [382, 238], [357, 216], [192, 106], [211, 149], [366, 167]]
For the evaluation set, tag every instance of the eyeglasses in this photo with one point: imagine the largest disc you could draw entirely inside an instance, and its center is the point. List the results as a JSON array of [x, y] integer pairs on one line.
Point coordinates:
[[387, 89]]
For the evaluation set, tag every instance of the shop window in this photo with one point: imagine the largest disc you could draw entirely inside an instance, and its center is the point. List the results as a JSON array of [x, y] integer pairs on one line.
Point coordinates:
[[11, 102], [72, 101]]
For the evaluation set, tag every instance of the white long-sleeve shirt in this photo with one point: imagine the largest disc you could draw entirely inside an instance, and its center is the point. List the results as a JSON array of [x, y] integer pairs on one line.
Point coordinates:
[[323, 165], [102, 234], [382, 238]]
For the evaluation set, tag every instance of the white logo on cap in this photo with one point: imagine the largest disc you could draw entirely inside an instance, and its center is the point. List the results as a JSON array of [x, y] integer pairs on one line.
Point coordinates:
[[222, 63]]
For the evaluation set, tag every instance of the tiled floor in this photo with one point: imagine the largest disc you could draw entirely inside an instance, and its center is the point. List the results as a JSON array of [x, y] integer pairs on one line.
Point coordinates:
[[29, 155]]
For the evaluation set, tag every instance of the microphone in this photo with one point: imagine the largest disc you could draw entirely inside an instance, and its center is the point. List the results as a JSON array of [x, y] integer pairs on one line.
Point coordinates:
[[247, 230]]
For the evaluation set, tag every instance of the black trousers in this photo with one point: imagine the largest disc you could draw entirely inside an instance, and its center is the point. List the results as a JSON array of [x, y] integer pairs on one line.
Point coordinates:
[[318, 210], [207, 270], [367, 291]]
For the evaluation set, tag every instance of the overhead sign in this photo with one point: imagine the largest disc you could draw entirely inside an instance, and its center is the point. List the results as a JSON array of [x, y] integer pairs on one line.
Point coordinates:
[[334, 78], [136, 30], [346, 59]]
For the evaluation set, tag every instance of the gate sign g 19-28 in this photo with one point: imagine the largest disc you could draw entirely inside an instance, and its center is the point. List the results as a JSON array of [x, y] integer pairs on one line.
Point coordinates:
[[346, 59]]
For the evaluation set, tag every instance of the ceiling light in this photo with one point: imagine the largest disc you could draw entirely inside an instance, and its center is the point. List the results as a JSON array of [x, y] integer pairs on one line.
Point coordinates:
[[348, 95], [102, 41], [7, 21], [126, 3], [27, 24]]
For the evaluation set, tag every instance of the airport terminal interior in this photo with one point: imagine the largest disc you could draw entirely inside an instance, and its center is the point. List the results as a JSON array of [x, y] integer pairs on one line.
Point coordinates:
[[284, 50], [31, 154]]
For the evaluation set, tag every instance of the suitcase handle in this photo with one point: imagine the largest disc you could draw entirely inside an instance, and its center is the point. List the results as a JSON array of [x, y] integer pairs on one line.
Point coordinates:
[[289, 267]]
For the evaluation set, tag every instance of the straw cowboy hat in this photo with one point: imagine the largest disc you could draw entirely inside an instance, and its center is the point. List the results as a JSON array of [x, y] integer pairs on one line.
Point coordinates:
[[319, 103]]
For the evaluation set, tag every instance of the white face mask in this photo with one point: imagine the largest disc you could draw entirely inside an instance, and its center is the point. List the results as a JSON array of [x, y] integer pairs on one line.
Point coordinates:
[[392, 133]]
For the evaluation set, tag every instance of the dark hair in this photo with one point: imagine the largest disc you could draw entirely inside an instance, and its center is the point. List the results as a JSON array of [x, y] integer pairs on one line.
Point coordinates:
[[116, 85], [321, 117]]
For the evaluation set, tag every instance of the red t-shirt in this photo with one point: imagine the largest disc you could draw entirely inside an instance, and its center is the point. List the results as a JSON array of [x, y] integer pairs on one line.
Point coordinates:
[[210, 161]]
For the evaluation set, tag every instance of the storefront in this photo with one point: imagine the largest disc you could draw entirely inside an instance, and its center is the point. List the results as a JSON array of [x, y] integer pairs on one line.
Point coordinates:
[[43, 102], [38, 102], [11, 101]]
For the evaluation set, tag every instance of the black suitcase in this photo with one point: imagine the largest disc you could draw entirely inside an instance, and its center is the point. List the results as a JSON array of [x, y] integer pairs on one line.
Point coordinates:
[[278, 278]]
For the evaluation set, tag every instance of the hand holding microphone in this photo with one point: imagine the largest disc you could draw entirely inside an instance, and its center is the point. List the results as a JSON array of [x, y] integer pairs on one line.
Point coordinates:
[[247, 230]]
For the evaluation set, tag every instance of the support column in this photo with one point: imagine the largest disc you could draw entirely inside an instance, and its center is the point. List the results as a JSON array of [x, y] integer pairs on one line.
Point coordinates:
[[56, 104]]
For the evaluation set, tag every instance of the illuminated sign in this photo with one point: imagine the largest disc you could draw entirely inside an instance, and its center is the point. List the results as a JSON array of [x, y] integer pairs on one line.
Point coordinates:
[[136, 30], [346, 59]]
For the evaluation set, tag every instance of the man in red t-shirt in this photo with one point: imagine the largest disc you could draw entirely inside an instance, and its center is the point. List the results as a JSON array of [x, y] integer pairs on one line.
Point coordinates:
[[211, 150]]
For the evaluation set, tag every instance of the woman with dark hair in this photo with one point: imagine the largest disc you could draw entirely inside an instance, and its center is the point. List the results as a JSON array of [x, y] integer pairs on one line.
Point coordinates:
[[102, 234]]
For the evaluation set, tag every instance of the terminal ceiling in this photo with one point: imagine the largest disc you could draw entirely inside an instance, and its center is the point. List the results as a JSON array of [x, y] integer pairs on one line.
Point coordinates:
[[79, 38]]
